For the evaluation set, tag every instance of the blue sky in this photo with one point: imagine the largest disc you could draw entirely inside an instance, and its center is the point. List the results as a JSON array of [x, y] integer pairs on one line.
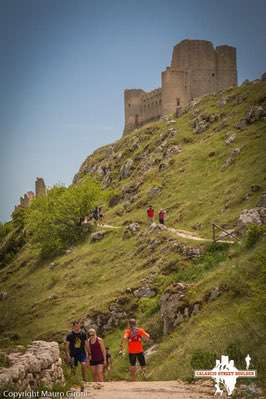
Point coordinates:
[[65, 63]]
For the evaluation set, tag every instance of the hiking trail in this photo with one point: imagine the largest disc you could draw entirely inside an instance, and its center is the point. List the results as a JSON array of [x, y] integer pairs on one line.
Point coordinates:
[[148, 390], [189, 235]]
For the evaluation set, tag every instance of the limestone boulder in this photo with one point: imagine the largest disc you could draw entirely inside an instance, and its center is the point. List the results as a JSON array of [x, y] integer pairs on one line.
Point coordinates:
[[172, 303], [131, 230], [154, 192], [231, 159], [251, 216], [97, 236], [126, 169], [145, 292], [262, 201], [230, 138]]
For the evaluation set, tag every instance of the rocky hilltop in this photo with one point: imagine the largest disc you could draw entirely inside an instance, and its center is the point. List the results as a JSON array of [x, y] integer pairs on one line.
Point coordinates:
[[197, 298]]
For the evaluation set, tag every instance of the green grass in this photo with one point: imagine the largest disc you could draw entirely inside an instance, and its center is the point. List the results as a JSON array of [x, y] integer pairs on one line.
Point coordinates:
[[42, 300]]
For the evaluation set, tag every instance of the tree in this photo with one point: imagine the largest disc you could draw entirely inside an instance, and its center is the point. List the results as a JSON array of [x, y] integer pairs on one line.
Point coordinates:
[[53, 221]]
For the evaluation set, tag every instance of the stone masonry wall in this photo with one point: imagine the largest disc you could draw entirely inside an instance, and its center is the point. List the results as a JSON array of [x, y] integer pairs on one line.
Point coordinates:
[[197, 68], [39, 366]]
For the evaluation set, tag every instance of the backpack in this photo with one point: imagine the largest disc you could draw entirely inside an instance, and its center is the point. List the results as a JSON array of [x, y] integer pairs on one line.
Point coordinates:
[[134, 336]]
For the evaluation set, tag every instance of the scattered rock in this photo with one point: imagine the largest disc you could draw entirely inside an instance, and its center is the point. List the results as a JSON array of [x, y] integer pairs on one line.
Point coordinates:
[[157, 227], [262, 201], [145, 292], [251, 216], [154, 191], [254, 114], [40, 365], [172, 306], [3, 295], [222, 102], [241, 125], [197, 226], [174, 149], [229, 161], [150, 351], [213, 294], [255, 188], [131, 230], [199, 126], [187, 251], [230, 138], [114, 200], [97, 236], [126, 169], [163, 166]]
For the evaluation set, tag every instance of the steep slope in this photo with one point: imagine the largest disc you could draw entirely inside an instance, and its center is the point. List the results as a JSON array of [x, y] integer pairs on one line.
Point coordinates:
[[203, 167]]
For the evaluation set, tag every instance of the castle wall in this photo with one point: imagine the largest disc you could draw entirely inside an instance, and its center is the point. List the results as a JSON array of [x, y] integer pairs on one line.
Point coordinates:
[[197, 69], [175, 90], [40, 188], [226, 67], [141, 107]]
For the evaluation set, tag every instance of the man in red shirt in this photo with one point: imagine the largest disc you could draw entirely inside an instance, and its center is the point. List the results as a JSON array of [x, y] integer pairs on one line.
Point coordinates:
[[133, 337], [150, 214]]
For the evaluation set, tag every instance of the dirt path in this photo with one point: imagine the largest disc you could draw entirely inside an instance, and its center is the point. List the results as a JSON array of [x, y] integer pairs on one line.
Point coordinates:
[[191, 236], [180, 233], [149, 390]]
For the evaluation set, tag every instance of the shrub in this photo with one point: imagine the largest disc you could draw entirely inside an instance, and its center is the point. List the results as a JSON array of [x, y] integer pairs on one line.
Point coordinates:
[[254, 233], [53, 221], [201, 360]]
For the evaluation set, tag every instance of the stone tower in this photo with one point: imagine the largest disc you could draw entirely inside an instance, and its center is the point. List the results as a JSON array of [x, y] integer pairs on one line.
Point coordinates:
[[197, 69], [40, 188]]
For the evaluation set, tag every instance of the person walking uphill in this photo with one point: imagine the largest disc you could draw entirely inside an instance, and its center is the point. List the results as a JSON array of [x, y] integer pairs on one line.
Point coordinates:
[[97, 356], [150, 214], [162, 214], [133, 337], [76, 348]]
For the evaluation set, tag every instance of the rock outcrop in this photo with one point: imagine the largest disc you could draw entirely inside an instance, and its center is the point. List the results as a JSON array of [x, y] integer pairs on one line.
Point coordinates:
[[251, 216], [40, 365]]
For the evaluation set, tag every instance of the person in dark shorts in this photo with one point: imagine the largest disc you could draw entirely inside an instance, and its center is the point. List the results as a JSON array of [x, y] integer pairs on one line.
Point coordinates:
[[97, 356], [162, 214], [76, 348], [133, 337]]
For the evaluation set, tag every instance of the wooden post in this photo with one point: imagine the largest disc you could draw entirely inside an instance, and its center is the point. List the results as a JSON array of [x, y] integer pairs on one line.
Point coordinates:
[[213, 232]]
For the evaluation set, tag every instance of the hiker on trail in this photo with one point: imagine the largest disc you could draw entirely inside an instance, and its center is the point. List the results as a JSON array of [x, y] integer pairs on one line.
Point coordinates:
[[133, 337], [150, 214], [162, 214], [97, 355], [96, 214], [76, 348]]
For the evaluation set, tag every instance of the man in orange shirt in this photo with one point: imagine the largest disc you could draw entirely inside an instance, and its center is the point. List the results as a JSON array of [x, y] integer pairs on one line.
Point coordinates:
[[133, 337]]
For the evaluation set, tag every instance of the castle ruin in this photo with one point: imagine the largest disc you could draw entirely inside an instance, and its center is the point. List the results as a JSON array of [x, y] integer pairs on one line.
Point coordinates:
[[197, 68], [40, 190]]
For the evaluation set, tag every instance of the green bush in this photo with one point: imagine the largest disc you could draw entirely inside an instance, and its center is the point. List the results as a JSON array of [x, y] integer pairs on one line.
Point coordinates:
[[201, 360], [53, 221], [254, 233]]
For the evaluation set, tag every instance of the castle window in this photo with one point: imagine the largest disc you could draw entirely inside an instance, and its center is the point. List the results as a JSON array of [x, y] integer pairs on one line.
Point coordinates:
[[213, 74], [129, 105]]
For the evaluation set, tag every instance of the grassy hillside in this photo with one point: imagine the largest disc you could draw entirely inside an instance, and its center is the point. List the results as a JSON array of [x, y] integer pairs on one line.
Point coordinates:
[[191, 180]]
